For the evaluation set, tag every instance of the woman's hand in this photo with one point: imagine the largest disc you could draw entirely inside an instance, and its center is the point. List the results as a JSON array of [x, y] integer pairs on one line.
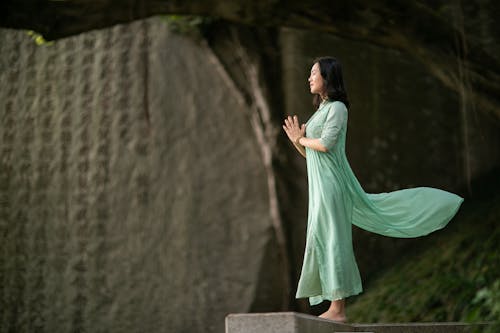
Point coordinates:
[[293, 130]]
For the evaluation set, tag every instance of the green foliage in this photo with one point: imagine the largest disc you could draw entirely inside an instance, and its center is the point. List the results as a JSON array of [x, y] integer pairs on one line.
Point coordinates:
[[487, 301], [456, 277], [38, 38], [188, 24], [487, 306]]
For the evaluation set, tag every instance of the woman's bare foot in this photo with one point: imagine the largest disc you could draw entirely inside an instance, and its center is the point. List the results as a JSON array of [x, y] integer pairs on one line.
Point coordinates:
[[336, 312], [330, 315]]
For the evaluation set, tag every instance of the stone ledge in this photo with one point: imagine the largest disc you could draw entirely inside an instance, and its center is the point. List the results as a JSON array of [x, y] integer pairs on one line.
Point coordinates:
[[293, 322], [281, 322], [447, 327]]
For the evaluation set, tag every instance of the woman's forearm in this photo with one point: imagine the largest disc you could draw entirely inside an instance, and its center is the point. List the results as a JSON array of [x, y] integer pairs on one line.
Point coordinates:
[[312, 143]]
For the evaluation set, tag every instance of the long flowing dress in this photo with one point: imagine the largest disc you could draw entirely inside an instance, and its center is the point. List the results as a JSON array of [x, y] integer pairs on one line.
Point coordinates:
[[337, 200]]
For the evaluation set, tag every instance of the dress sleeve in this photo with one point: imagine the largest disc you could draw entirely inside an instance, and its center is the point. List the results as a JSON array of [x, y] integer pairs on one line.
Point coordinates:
[[333, 124]]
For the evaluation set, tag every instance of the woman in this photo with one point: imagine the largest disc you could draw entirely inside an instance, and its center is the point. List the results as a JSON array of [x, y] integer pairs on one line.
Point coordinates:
[[336, 199]]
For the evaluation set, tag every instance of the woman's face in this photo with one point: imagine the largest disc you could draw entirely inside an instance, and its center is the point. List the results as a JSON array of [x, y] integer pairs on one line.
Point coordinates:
[[316, 84]]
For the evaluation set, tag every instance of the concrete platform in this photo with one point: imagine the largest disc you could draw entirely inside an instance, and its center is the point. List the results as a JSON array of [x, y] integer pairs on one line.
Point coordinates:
[[280, 322], [293, 322]]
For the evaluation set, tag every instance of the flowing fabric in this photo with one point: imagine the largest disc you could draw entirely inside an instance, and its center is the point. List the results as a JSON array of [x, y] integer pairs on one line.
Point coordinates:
[[337, 200]]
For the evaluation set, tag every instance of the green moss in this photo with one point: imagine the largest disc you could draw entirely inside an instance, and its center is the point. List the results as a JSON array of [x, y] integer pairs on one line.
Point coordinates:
[[188, 25], [455, 278], [38, 38]]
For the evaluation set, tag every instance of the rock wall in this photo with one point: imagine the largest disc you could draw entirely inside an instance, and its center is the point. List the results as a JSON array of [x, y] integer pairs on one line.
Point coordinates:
[[400, 115], [406, 129], [146, 185], [133, 195]]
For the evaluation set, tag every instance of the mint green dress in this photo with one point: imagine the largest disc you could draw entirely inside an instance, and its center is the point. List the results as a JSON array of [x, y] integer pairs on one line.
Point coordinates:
[[337, 200]]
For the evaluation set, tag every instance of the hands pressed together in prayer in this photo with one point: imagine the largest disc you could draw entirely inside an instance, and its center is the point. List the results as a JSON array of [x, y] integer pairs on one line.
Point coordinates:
[[297, 134], [293, 129]]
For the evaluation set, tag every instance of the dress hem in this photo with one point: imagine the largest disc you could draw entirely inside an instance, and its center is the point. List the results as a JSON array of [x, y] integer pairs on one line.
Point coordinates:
[[319, 298]]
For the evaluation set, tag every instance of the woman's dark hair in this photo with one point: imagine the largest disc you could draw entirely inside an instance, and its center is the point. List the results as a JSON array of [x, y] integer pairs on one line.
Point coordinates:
[[331, 72]]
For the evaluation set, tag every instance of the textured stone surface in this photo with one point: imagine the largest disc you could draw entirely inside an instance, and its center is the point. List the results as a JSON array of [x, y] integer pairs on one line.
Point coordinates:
[[292, 322], [400, 115], [133, 194], [420, 327], [456, 41], [136, 194], [405, 130]]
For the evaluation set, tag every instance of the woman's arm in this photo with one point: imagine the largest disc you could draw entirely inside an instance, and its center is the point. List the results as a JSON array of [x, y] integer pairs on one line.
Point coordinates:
[[329, 134], [296, 135], [333, 125], [312, 143]]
